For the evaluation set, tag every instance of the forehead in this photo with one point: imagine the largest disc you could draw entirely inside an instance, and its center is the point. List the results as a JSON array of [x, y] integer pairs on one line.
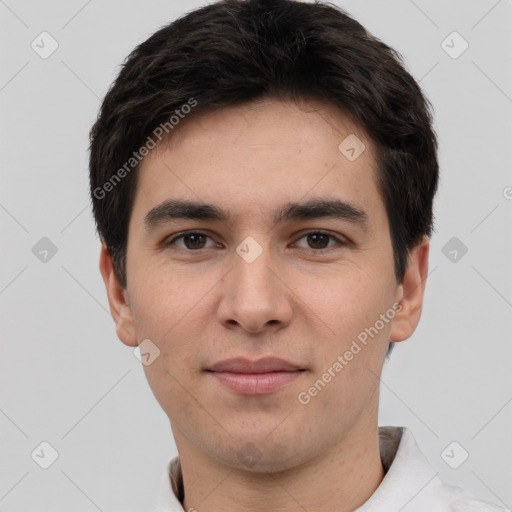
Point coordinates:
[[270, 122], [264, 153]]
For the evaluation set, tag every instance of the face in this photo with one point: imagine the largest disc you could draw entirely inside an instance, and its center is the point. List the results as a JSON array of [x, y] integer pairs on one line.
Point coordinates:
[[305, 284]]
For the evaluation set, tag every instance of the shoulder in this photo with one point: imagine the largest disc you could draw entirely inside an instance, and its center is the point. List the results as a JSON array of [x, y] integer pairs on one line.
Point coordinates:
[[461, 500], [411, 484]]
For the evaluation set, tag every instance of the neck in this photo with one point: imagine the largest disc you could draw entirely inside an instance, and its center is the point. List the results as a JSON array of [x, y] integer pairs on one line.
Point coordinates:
[[341, 479]]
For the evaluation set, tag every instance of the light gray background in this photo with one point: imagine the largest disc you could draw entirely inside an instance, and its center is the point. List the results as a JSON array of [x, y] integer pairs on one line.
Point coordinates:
[[66, 379]]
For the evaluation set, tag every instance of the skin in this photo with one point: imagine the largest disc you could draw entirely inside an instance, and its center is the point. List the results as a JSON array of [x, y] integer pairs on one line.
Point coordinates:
[[207, 305]]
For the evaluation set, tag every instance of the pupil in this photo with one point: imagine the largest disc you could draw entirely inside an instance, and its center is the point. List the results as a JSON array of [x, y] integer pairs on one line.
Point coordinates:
[[194, 242], [317, 235]]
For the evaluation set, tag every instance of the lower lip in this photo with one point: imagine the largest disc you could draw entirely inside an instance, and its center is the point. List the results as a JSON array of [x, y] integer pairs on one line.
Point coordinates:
[[256, 383]]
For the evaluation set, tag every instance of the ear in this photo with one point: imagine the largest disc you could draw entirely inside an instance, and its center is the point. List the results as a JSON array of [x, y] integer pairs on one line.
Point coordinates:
[[410, 292], [118, 300]]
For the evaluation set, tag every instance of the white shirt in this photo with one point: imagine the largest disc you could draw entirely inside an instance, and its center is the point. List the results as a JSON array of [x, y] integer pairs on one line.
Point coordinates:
[[409, 485]]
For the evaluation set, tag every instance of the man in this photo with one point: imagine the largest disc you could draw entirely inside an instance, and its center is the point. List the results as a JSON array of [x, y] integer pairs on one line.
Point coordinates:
[[262, 178]]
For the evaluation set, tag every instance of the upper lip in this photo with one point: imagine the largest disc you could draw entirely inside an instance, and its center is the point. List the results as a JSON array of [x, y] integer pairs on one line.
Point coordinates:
[[265, 365]]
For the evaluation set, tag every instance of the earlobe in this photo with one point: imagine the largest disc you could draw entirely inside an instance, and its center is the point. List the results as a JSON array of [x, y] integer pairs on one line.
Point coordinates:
[[117, 299], [411, 290]]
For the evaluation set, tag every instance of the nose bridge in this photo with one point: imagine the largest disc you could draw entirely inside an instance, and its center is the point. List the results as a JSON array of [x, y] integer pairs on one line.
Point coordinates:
[[253, 296], [253, 280], [253, 272]]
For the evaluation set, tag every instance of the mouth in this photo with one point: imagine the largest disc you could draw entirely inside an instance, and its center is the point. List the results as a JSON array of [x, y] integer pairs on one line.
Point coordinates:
[[260, 377], [265, 365]]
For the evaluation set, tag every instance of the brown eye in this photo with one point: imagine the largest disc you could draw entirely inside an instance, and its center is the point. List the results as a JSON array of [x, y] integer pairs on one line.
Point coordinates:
[[192, 241], [317, 241]]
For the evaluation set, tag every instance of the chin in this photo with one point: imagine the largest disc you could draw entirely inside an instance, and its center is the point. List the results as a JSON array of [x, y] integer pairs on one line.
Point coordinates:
[[260, 454]]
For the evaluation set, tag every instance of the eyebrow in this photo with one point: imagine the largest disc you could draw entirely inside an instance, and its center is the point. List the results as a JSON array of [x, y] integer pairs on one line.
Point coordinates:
[[173, 209]]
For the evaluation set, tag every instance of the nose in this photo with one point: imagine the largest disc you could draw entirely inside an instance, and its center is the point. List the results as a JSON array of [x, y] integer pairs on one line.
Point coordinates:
[[255, 296]]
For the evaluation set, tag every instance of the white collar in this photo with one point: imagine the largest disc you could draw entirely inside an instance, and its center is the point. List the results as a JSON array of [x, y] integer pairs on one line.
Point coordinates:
[[409, 485]]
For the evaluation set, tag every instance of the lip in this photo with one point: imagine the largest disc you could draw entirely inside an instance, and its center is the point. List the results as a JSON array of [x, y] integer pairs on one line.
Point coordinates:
[[264, 365], [255, 377]]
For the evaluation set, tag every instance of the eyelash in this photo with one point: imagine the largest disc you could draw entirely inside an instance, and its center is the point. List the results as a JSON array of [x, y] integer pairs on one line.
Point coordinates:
[[314, 232]]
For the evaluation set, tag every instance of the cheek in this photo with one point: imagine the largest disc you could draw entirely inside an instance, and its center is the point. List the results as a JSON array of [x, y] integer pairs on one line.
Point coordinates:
[[357, 333], [170, 310], [346, 301], [163, 297]]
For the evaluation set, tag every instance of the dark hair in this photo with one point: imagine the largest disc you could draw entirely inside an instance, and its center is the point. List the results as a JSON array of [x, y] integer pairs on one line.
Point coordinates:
[[235, 51]]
